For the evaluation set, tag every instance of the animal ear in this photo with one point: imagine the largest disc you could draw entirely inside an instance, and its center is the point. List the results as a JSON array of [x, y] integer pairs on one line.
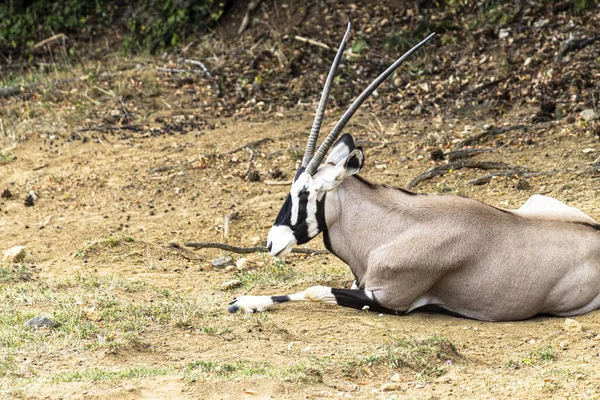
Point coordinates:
[[341, 149], [354, 161], [330, 177]]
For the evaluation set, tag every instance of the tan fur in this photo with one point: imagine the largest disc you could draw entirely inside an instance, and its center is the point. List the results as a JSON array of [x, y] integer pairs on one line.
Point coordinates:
[[468, 257]]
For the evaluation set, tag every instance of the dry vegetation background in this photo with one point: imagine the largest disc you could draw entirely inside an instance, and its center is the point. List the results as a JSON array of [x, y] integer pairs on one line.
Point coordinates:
[[130, 155]]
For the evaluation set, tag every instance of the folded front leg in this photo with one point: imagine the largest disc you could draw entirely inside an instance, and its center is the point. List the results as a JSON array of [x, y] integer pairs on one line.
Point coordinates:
[[353, 298]]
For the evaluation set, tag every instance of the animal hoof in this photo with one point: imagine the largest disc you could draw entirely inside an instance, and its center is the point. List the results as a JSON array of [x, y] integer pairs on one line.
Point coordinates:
[[233, 308]]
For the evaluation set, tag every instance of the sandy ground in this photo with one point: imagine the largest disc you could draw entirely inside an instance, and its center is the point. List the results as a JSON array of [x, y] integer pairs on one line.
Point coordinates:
[[107, 186]]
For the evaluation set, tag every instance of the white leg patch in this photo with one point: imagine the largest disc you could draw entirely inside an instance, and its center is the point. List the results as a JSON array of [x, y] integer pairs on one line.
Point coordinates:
[[319, 293], [250, 304]]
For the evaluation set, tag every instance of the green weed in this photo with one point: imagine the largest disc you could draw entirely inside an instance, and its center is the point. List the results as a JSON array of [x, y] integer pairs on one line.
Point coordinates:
[[427, 356]]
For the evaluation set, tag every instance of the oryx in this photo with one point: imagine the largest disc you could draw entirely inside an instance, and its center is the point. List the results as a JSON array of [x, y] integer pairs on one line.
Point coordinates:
[[411, 250]]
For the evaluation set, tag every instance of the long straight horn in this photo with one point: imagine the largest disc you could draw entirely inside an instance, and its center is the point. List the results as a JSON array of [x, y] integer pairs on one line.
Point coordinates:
[[337, 129], [316, 127]]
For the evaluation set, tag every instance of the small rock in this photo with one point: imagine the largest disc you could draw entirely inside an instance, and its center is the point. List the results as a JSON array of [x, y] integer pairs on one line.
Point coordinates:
[[573, 326], [14, 254], [564, 345], [230, 268], [255, 240], [588, 115], [40, 322], [30, 199], [417, 110], [437, 155], [221, 262], [390, 387], [6, 194], [253, 176], [232, 284], [396, 378], [242, 264], [92, 314]]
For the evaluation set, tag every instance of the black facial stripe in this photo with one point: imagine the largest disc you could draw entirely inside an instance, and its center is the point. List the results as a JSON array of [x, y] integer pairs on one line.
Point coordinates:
[[301, 228], [285, 214]]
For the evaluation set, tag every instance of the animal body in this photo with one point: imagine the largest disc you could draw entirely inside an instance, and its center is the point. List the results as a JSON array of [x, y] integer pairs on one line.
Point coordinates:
[[409, 250]]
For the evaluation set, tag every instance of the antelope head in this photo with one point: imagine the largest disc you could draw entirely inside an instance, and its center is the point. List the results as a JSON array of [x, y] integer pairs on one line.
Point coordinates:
[[301, 216]]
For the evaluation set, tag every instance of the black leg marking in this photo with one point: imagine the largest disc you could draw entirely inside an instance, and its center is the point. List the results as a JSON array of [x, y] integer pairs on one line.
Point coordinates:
[[280, 299], [358, 299]]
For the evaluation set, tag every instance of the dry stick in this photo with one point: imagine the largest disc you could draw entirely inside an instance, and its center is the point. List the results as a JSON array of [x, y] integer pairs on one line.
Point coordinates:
[[277, 183], [311, 42], [445, 168], [249, 162], [247, 250], [525, 174], [41, 167], [107, 128], [458, 154], [50, 40], [483, 86], [575, 44], [248, 145], [496, 131], [181, 71], [522, 174]]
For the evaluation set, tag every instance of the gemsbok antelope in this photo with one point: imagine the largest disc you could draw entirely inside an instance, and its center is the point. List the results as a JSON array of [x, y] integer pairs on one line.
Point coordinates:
[[409, 250]]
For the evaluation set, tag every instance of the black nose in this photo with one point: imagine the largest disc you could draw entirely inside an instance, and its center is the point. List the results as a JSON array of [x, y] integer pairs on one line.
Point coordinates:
[[269, 246]]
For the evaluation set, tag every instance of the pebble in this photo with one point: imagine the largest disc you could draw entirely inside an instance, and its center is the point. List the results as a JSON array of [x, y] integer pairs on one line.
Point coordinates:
[[573, 326], [242, 264], [396, 378], [40, 322], [589, 114], [222, 262], [390, 387], [232, 284], [14, 254]]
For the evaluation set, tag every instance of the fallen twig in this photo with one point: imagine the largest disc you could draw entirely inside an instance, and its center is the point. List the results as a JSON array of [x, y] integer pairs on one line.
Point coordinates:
[[491, 132], [278, 183], [41, 167], [181, 71], [312, 42], [522, 174], [107, 128], [483, 86], [572, 44], [248, 145], [249, 162], [453, 166], [247, 250], [251, 7], [50, 40], [458, 154], [206, 72]]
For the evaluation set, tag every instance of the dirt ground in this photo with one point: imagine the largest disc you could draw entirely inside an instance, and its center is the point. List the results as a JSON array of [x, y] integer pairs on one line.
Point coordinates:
[[128, 163], [112, 204]]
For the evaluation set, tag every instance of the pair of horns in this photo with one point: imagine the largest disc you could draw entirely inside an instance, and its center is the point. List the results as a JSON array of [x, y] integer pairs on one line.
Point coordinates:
[[312, 160]]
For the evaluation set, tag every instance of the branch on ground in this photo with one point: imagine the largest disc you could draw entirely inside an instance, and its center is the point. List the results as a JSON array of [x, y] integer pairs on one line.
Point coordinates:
[[492, 132], [453, 166], [247, 250], [248, 145]]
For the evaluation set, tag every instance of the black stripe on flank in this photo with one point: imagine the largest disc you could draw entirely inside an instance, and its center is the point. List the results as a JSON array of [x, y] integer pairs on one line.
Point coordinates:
[[280, 299], [374, 186]]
